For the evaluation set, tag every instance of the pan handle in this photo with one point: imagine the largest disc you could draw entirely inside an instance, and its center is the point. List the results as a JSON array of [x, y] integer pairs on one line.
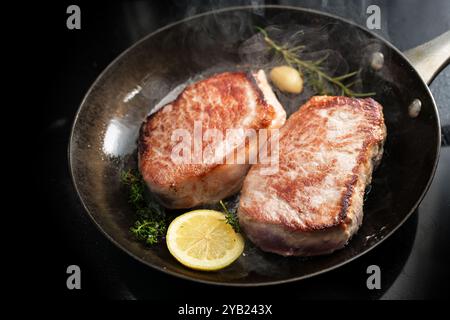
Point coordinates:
[[431, 57]]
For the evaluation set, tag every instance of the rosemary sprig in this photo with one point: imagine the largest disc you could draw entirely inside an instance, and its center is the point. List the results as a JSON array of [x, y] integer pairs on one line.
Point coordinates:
[[150, 225], [312, 70], [231, 217]]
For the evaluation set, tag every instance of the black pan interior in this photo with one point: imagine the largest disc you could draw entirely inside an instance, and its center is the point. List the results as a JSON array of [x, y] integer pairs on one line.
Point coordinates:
[[103, 140]]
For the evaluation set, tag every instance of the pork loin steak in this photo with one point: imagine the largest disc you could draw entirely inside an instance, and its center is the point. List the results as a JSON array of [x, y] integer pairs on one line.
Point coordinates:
[[225, 101], [314, 203]]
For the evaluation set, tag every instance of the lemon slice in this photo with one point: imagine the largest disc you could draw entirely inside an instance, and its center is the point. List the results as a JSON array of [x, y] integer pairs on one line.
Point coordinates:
[[202, 240]]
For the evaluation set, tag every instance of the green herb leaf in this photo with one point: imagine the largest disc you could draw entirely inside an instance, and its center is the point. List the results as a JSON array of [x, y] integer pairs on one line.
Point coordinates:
[[149, 231], [150, 225], [231, 217], [321, 82]]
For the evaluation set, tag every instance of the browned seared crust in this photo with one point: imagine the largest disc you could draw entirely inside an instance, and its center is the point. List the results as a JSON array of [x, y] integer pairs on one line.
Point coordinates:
[[221, 102], [327, 151]]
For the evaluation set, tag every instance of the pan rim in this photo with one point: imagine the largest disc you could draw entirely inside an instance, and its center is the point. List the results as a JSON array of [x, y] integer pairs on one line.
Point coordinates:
[[262, 283]]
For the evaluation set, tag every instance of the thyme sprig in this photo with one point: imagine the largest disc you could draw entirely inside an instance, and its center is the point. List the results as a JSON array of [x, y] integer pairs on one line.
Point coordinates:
[[312, 70], [150, 225], [231, 217]]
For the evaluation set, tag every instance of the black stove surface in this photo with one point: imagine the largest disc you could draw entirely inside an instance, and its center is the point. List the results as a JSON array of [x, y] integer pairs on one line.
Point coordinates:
[[412, 261]]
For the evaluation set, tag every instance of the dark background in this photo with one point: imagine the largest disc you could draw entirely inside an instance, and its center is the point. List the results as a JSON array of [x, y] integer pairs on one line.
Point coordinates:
[[413, 261]]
